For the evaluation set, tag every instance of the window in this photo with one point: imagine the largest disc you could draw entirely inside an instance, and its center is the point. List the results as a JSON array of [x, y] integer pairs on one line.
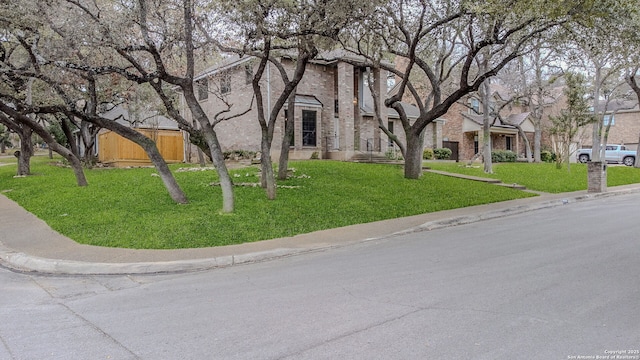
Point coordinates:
[[390, 128], [475, 106], [225, 83], [202, 89], [509, 145], [391, 80], [609, 119], [308, 128], [248, 73]]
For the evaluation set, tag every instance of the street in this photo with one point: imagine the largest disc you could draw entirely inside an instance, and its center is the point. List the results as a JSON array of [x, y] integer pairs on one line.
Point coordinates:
[[556, 283]]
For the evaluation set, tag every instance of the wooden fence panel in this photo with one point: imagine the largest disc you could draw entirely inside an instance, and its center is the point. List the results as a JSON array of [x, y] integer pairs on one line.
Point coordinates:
[[113, 148]]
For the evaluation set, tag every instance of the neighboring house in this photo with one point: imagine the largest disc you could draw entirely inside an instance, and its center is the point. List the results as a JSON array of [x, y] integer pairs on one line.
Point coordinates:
[[115, 150], [624, 117], [333, 107], [460, 129]]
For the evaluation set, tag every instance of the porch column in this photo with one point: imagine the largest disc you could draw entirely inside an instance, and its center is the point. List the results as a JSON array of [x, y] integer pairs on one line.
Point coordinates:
[[380, 83], [345, 108], [437, 132]]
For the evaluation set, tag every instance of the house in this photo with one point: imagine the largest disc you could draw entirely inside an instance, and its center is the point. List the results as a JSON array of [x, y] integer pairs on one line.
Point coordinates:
[[624, 117], [334, 116], [461, 128]]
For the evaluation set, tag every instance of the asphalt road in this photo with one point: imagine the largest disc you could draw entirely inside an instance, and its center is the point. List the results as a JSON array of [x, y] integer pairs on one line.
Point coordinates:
[[556, 283]]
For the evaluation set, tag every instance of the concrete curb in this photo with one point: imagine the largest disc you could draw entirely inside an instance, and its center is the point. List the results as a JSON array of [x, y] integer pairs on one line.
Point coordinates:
[[22, 262], [509, 211]]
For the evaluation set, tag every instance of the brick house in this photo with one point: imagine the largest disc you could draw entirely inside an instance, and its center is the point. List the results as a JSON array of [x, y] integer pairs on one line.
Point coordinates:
[[460, 129], [624, 117], [333, 107], [334, 112]]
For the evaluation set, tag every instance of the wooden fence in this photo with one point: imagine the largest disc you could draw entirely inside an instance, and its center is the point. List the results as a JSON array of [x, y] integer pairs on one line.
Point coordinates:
[[115, 150]]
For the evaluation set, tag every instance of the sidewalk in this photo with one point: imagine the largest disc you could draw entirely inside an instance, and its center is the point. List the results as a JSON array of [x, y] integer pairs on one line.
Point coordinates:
[[28, 244]]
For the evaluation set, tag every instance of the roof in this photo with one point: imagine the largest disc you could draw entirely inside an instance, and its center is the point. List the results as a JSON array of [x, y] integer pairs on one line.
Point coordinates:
[[412, 111], [146, 119], [512, 119], [617, 105], [226, 64], [307, 100]]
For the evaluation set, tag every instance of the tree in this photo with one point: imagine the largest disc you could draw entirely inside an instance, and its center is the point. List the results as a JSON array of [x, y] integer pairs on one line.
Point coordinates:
[[4, 139], [566, 126], [286, 35], [534, 82], [631, 80], [66, 88], [8, 115], [442, 41]]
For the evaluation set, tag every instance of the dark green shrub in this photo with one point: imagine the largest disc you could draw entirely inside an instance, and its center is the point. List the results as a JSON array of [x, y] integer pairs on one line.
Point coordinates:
[[547, 156], [498, 156], [442, 153], [427, 154]]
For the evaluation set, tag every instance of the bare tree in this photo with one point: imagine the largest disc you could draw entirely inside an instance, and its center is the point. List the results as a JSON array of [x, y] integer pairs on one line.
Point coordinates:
[[442, 40], [74, 90], [287, 36], [631, 80], [571, 120], [12, 117]]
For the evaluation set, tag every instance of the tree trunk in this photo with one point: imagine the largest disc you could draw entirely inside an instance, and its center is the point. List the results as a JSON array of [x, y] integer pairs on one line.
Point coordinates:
[[167, 177], [161, 166], [26, 151], [66, 129], [527, 145], [413, 155], [283, 163], [75, 163], [88, 139], [268, 178], [537, 140], [226, 184], [596, 135], [486, 150], [567, 150]]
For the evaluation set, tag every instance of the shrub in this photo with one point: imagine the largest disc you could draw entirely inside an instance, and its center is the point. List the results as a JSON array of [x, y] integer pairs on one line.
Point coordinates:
[[239, 155], [393, 154], [442, 153], [315, 155], [427, 154], [547, 156], [503, 156]]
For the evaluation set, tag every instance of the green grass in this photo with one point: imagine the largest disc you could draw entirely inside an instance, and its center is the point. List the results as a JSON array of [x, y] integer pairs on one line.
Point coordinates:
[[543, 177], [130, 207]]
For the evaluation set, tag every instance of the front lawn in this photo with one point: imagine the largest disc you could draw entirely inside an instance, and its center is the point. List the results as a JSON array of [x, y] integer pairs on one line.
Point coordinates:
[[130, 207], [542, 177]]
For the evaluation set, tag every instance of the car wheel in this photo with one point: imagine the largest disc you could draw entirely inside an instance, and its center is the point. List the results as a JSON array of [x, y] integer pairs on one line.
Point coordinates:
[[583, 158], [629, 161]]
